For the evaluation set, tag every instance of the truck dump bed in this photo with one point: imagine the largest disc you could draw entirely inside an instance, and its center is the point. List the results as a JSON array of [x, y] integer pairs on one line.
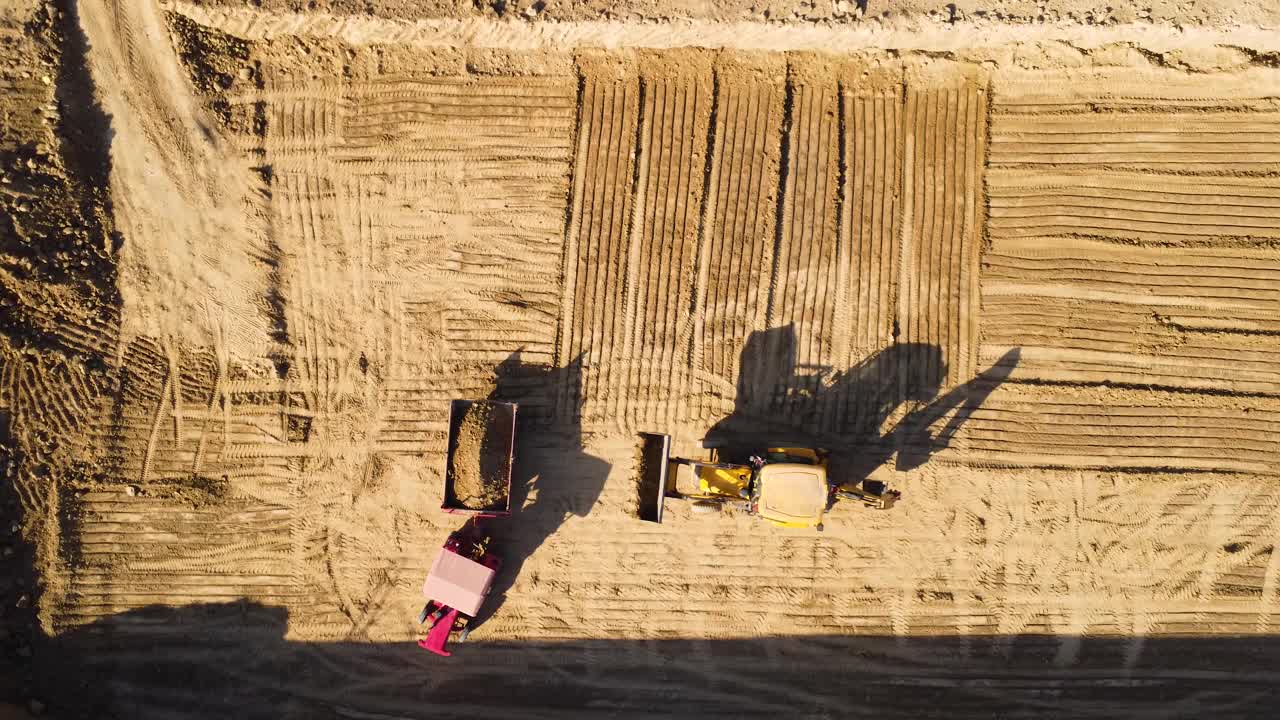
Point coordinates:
[[482, 439]]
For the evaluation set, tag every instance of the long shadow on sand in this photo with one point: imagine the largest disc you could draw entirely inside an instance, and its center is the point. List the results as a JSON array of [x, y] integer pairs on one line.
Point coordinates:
[[232, 661], [885, 406], [554, 478]]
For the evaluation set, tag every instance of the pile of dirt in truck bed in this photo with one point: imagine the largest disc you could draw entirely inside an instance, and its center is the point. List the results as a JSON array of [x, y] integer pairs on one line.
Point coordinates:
[[479, 460]]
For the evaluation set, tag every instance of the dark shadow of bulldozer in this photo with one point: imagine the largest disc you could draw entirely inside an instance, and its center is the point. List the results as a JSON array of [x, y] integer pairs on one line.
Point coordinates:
[[889, 405]]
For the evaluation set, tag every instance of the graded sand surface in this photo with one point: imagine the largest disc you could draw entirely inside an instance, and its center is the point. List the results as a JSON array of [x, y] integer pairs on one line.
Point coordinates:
[[1025, 270]]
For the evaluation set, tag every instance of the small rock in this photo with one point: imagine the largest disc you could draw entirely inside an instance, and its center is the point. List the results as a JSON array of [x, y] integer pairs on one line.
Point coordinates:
[[245, 73], [130, 490], [531, 12], [24, 207], [842, 7], [36, 707], [45, 79], [23, 601]]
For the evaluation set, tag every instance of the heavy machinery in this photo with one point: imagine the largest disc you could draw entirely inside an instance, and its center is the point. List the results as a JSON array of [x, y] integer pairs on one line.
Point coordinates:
[[456, 586], [787, 486], [465, 568]]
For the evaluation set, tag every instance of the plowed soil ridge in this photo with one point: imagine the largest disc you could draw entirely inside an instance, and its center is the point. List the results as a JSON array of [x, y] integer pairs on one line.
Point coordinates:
[[872, 195], [1090, 428], [597, 249], [1091, 311], [1172, 209], [804, 266], [944, 155], [803, 291], [738, 232], [674, 131]]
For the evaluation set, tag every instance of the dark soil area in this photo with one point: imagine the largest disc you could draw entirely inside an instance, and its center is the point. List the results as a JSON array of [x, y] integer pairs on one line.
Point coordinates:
[[18, 626]]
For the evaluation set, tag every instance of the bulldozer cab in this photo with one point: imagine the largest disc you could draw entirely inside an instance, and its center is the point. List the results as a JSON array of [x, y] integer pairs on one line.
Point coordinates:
[[791, 488]]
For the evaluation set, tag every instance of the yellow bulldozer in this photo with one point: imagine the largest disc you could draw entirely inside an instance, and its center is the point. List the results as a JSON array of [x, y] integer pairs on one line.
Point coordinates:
[[787, 486]]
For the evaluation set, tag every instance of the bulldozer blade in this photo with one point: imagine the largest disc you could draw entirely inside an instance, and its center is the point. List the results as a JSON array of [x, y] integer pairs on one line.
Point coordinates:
[[652, 463]]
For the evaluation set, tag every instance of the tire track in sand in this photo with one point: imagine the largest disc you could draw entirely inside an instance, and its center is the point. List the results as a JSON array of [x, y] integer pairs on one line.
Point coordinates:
[[664, 239], [1131, 225], [634, 235], [946, 127], [803, 287], [596, 243], [736, 249], [870, 233]]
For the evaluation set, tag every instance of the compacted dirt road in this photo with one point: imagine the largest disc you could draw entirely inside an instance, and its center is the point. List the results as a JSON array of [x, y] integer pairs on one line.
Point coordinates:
[[1026, 270]]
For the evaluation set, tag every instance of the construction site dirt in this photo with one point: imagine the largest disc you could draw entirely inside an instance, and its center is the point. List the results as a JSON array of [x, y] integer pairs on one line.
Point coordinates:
[[1020, 263]]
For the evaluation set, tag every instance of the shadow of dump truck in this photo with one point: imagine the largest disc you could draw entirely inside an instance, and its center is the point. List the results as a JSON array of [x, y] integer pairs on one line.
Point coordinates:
[[554, 477]]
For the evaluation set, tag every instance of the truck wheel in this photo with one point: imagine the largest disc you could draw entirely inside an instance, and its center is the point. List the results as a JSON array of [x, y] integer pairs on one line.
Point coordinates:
[[704, 507]]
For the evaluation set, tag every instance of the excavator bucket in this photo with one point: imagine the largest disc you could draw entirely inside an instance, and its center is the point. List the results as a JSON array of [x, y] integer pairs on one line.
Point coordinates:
[[652, 462]]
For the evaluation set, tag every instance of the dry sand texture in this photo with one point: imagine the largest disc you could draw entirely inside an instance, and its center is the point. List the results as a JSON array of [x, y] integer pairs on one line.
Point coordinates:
[[1024, 16], [1035, 286]]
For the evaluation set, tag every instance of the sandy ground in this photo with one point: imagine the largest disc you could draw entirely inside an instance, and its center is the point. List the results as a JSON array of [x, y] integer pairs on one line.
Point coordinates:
[[1026, 270], [776, 12]]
